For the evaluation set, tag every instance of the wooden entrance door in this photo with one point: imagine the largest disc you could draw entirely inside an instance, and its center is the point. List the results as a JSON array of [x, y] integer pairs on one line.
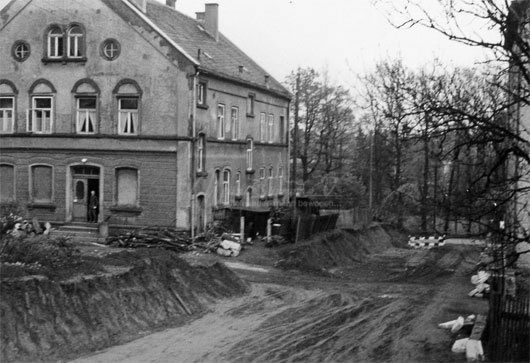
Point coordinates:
[[80, 193], [85, 179]]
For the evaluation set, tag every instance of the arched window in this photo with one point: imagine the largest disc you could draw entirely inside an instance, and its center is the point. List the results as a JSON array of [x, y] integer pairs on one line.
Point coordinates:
[[75, 42], [250, 153], [55, 43], [127, 187], [41, 115], [86, 94], [7, 183], [128, 94], [226, 186], [8, 93]]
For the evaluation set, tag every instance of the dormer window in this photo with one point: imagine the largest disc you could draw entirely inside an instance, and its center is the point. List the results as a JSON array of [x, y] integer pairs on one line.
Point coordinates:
[[75, 42], [55, 43]]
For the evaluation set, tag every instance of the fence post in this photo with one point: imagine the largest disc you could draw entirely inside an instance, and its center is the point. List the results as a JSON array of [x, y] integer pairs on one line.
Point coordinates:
[[298, 221], [242, 229], [269, 229]]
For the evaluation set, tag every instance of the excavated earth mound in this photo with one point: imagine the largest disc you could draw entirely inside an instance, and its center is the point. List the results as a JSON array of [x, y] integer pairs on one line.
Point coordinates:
[[339, 248], [43, 319]]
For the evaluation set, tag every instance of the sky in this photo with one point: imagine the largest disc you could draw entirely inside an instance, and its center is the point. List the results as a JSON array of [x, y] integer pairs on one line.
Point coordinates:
[[343, 37]]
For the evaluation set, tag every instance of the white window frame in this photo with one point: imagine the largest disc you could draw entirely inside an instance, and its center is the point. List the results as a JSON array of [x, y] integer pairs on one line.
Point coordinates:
[[201, 93], [21, 51], [7, 124], [53, 43], [200, 153], [125, 116], [220, 121], [270, 181], [32, 116], [262, 126], [74, 42], [270, 128], [226, 187], [280, 180], [234, 118], [250, 154], [250, 104], [87, 112], [262, 182], [216, 180], [238, 184]]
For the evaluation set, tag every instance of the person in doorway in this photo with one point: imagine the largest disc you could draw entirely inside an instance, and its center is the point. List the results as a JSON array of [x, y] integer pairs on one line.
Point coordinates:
[[92, 207]]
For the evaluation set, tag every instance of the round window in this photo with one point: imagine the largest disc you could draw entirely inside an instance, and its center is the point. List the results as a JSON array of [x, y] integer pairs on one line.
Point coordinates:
[[20, 50], [110, 49]]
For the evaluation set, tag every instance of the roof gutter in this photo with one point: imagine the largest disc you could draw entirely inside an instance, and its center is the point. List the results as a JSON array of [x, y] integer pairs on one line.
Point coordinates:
[[160, 31], [286, 96]]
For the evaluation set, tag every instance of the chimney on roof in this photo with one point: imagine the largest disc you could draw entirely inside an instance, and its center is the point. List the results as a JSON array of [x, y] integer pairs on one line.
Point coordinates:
[[171, 3], [211, 20], [267, 77], [140, 4]]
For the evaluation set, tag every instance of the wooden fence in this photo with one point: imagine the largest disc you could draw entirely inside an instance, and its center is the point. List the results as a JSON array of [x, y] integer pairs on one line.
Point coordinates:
[[307, 226], [508, 328]]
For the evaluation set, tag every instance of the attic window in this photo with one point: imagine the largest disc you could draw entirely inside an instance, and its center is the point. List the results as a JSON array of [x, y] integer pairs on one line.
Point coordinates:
[[110, 49], [20, 50]]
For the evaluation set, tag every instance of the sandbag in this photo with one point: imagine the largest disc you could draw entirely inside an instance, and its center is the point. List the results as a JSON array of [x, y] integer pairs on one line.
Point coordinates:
[[459, 346]]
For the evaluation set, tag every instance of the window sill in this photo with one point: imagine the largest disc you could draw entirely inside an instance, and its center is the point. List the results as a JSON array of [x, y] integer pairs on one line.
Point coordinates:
[[280, 195], [250, 171], [201, 174], [270, 197], [50, 206], [64, 60], [202, 106], [238, 197], [250, 115], [262, 198], [126, 209]]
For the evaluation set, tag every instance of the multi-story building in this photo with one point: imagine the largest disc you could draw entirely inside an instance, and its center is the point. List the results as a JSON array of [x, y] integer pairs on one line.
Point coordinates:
[[157, 113]]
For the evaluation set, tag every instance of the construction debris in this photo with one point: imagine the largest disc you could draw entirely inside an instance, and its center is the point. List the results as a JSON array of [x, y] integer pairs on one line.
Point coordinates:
[[481, 287], [162, 238]]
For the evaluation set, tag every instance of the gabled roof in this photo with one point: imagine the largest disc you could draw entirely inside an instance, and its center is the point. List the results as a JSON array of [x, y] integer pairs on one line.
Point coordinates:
[[222, 58]]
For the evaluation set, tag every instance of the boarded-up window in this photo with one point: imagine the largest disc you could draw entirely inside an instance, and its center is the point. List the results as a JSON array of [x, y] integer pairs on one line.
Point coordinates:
[[42, 183], [127, 186], [7, 182]]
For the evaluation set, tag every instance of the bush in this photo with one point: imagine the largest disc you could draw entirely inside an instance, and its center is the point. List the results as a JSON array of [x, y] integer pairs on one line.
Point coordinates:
[[10, 214], [40, 250]]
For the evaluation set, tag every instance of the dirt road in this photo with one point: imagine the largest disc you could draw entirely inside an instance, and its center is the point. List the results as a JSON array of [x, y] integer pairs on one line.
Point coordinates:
[[383, 308]]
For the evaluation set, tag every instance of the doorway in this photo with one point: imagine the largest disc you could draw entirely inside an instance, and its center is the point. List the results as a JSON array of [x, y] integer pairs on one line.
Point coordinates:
[[85, 179]]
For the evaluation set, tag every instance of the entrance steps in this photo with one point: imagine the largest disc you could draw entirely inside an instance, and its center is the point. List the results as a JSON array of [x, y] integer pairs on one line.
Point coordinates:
[[79, 232]]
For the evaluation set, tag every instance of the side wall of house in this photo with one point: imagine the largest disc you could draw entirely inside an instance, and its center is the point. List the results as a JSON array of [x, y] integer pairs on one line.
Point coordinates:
[[230, 153]]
